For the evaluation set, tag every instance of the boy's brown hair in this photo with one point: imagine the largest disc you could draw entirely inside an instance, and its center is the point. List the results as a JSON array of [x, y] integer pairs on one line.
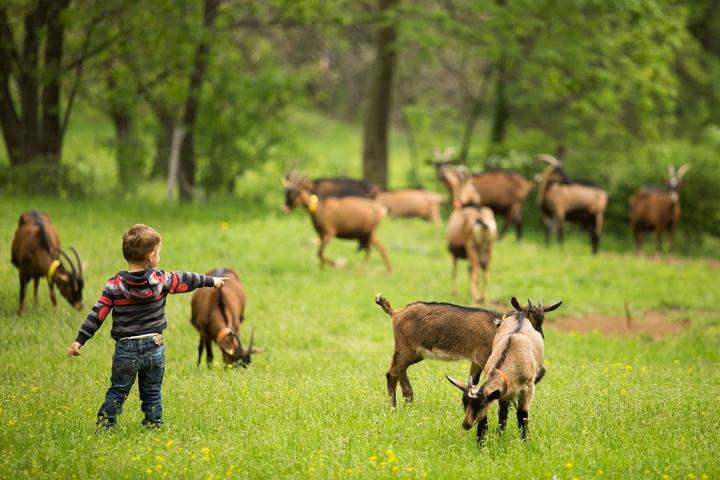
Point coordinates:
[[139, 241]]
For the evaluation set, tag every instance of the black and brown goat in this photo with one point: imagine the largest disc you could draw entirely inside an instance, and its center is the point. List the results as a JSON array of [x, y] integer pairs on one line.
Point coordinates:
[[503, 191], [411, 202], [331, 187], [217, 315], [471, 232], [351, 218], [653, 209], [511, 372], [444, 331], [37, 254], [562, 199]]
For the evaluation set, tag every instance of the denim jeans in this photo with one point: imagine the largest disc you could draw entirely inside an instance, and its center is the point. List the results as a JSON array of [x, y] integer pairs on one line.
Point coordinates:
[[146, 360]]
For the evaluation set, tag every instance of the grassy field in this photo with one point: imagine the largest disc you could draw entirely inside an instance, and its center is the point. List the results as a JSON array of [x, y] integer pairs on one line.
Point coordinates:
[[314, 404]]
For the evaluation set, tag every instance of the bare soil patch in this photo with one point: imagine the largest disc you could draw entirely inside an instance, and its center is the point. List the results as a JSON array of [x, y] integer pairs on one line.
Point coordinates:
[[649, 323]]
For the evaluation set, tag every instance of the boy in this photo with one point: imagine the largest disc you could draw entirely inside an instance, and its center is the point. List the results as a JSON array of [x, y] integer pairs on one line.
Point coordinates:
[[137, 299]]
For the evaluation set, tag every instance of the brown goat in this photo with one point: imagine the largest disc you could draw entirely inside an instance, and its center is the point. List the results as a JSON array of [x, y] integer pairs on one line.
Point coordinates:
[[351, 218], [658, 210], [331, 187], [37, 254], [471, 233], [411, 202], [503, 191], [562, 199], [444, 331], [512, 370], [217, 316]]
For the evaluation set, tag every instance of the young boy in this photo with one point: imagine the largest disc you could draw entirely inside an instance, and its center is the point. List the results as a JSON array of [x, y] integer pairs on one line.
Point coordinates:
[[137, 299]]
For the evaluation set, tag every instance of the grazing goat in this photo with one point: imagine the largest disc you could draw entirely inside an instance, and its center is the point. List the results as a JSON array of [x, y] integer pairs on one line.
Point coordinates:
[[471, 233], [444, 331], [217, 316], [503, 191], [562, 199], [512, 370], [352, 218], [331, 187], [410, 202], [37, 254], [658, 210]]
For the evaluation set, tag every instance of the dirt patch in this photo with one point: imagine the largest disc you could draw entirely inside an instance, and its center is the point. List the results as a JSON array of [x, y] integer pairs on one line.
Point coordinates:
[[650, 323]]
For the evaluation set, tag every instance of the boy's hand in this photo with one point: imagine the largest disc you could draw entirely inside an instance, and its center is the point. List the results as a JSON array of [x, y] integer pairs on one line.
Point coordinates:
[[219, 281], [74, 349]]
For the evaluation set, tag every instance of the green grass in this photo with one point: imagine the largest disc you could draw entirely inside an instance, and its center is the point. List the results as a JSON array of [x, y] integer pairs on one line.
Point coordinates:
[[314, 404]]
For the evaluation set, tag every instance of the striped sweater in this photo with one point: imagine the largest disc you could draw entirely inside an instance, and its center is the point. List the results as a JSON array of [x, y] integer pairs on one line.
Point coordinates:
[[137, 301]]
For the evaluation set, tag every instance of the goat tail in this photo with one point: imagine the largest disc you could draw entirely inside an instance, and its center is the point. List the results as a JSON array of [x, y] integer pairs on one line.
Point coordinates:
[[384, 304]]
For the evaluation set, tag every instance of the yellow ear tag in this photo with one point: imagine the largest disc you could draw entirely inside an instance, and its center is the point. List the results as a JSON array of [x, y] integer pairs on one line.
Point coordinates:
[[313, 205], [52, 269]]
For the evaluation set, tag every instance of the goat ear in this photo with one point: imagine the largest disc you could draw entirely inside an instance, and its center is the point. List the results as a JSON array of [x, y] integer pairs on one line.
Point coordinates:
[[64, 276], [493, 396], [462, 386], [552, 307], [514, 302], [284, 181]]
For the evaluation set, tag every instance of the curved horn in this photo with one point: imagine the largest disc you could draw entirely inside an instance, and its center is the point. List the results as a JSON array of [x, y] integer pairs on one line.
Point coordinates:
[[470, 382], [529, 303], [69, 260], [540, 303], [549, 159], [79, 261], [671, 170], [682, 170]]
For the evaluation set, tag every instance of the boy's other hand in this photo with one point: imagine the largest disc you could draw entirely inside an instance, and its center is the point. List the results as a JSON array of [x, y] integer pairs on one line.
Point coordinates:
[[74, 349], [219, 281]]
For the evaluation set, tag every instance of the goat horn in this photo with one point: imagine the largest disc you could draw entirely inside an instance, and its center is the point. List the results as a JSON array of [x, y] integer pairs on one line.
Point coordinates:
[[529, 303], [69, 260], [549, 159], [470, 382], [437, 153], [671, 170], [79, 261], [683, 170], [540, 302]]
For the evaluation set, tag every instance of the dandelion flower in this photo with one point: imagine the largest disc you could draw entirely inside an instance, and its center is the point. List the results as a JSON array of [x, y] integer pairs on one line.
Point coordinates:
[[169, 444], [205, 451], [224, 225], [568, 465]]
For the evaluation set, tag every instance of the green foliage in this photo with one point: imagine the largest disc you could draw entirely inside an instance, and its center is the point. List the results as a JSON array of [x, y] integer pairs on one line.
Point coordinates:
[[313, 405]]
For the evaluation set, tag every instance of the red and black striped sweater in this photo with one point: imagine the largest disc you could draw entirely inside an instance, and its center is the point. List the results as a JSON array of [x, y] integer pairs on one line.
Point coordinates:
[[137, 301]]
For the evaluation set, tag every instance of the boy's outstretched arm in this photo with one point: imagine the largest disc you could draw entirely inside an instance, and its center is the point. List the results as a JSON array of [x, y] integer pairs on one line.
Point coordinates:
[[94, 320], [181, 282]]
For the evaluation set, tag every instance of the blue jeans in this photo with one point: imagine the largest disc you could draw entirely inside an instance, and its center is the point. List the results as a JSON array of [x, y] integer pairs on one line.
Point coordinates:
[[146, 360]]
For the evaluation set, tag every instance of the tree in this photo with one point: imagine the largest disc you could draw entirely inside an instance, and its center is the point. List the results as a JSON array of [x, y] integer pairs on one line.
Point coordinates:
[[377, 118]]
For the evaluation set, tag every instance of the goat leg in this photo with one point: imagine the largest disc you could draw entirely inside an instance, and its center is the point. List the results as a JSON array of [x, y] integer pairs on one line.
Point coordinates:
[[504, 407], [522, 418], [474, 274], [324, 240], [23, 286], [36, 283], [454, 275], [658, 240], [200, 350], [482, 429], [392, 381], [51, 289], [406, 387], [376, 243], [208, 351]]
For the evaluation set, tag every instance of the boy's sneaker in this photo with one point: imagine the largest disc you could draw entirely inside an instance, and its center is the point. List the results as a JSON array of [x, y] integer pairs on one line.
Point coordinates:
[[152, 424], [103, 426]]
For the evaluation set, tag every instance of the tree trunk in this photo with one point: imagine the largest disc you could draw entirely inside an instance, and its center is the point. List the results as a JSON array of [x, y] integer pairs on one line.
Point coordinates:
[[192, 102], [502, 112], [377, 118], [33, 131], [470, 122], [163, 144]]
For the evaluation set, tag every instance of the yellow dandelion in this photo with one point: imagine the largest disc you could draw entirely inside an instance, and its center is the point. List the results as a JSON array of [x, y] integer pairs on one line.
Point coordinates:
[[705, 476], [169, 444], [158, 467], [628, 368], [205, 451], [690, 370], [666, 476], [568, 465], [148, 470], [34, 388], [224, 225], [691, 476], [373, 458]]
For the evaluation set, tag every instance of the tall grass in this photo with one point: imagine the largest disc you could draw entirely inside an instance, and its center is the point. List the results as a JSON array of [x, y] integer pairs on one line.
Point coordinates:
[[314, 405]]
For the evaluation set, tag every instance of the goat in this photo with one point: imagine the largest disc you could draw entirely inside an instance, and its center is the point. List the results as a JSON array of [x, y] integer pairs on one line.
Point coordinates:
[[217, 316], [471, 232], [444, 331], [658, 210], [352, 218], [331, 187], [563, 199], [512, 370], [410, 202], [37, 254], [503, 191]]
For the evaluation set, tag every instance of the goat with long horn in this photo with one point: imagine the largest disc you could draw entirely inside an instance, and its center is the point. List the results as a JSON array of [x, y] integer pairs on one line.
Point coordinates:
[[562, 199], [654, 209]]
